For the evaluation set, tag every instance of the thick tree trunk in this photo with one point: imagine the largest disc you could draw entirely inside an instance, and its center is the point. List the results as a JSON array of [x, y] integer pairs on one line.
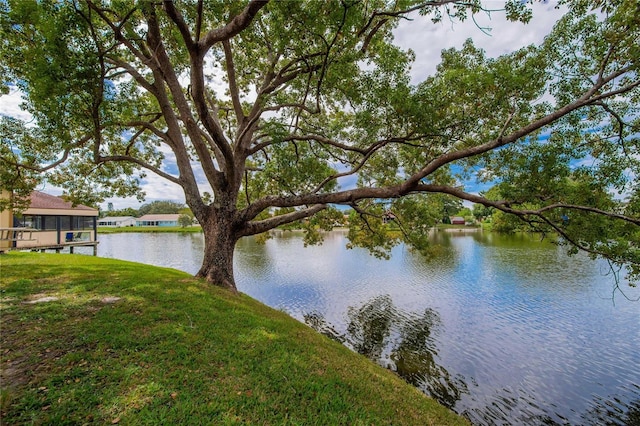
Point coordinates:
[[219, 245]]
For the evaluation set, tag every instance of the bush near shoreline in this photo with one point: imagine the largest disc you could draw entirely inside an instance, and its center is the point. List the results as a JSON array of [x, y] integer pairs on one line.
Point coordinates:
[[91, 340]]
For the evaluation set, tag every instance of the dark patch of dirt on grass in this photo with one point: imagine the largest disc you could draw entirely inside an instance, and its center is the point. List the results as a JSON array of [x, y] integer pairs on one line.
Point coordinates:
[[14, 372]]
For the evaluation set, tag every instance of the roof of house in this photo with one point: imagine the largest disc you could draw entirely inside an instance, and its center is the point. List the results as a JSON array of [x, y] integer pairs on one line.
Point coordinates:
[[116, 218], [457, 219], [159, 217], [40, 200]]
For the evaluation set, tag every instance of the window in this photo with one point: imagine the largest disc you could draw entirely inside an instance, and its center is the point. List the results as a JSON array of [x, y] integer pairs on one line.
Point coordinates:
[[149, 223], [40, 222], [82, 222], [88, 222], [49, 223], [31, 221], [65, 223]]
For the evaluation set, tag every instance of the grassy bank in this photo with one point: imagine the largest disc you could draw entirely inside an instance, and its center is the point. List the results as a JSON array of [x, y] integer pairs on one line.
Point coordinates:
[[91, 340], [114, 230]]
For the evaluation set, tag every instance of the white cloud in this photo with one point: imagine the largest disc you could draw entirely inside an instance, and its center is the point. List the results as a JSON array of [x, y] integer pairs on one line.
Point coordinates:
[[156, 189], [159, 189], [428, 39], [10, 105]]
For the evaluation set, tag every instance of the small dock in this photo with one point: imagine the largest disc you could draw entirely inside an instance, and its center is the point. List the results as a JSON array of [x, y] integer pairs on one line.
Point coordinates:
[[59, 247], [25, 236]]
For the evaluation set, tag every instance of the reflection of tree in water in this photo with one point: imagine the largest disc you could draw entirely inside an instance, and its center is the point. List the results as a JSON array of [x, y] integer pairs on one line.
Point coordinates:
[[520, 409], [614, 412], [406, 343], [526, 409], [414, 359], [316, 321], [633, 415], [377, 327], [369, 326], [253, 256]]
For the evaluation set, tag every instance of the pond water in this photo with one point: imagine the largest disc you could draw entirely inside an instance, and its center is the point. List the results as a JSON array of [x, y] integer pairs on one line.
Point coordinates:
[[502, 329]]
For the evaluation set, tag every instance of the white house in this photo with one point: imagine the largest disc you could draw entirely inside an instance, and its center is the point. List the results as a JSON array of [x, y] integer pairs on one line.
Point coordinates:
[[158, 220], [117, 221]]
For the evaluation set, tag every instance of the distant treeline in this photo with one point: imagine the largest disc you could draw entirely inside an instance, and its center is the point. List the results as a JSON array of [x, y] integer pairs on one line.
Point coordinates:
[[154, 207]]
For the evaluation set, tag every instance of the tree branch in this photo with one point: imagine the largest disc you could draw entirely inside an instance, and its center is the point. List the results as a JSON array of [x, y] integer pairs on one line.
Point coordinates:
[[586, 99], [341, 197], [65, 155], [616, 92], [635, 221], [129, 159], [237, 24], [316, 138], [139, 78], [571, 241], [233, 86], [505, 206], [167, 74], [299, 106], [253, 228], [117, 31], [282, 79], [177, 19], [153, 129], [199, 21]]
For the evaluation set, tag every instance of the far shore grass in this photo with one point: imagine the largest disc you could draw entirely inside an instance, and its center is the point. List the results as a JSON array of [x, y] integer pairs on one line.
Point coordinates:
[[88, 340], [197, 228], [114, 230]]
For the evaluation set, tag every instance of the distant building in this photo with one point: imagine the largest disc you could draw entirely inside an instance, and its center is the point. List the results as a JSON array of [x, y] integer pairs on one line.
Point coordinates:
[[117, 221], [158, 220], [49, 221], [388, 216], [457, 220]]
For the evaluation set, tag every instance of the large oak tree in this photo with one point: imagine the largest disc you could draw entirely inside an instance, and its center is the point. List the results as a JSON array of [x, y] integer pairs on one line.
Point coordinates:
[[275, 105]]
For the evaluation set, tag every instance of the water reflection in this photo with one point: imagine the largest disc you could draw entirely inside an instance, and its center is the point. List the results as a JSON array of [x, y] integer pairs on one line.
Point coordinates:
[[396, 340], [369, 326], [614, 411], [415, 361]]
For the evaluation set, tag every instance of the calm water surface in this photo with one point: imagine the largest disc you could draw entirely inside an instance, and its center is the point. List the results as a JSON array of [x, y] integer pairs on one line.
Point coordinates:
[[504, 330]]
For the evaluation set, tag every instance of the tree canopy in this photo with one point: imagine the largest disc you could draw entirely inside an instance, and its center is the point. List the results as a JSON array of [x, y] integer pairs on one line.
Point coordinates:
[[160, 207], [278, 105]]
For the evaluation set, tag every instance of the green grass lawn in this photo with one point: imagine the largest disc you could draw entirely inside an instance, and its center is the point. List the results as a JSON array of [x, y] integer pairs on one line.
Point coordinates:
[[92, 340]]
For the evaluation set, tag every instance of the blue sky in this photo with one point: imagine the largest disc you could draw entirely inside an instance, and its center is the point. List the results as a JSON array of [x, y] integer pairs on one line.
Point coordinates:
[[421, 35]]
